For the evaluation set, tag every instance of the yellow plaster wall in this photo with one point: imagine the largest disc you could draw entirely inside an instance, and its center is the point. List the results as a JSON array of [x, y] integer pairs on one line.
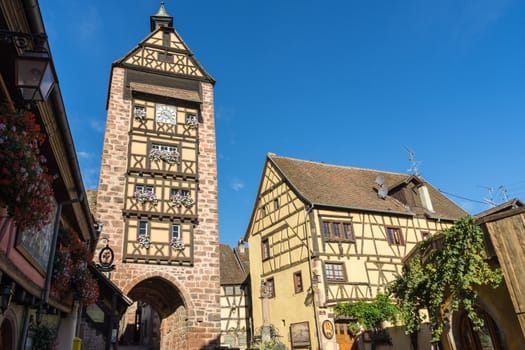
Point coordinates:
[[284, 227], [370, 261]]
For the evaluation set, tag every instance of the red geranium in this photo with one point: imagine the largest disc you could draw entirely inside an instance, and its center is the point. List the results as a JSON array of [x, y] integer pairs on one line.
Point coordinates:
[[71, 272], [25, 186]]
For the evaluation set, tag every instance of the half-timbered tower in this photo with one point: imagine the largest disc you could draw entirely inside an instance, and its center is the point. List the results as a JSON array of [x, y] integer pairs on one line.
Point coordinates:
[[322, 234], [157, 195]]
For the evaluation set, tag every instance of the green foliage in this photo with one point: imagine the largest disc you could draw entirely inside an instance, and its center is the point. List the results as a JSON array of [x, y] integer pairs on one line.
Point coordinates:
[[369, 314], [447, 275], [44, 337], [270, 345], [273, 344]]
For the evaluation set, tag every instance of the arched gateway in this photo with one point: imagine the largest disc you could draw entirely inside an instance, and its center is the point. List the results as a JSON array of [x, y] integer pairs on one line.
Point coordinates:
[[157, 195]]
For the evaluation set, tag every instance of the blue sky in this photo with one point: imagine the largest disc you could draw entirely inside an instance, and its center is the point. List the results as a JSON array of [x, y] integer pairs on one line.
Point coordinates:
[[343, 82]]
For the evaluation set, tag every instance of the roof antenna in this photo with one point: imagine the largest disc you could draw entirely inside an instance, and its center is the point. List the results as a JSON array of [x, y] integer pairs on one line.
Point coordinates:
[[490, 201], [504, 193], [412, 159]]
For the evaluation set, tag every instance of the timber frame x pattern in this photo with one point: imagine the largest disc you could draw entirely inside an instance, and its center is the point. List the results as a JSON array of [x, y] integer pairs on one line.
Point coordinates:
[[162, 164], [164, 50]]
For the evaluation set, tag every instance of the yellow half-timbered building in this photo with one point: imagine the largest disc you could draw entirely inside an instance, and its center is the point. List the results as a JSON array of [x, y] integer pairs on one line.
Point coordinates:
[[322, 234]]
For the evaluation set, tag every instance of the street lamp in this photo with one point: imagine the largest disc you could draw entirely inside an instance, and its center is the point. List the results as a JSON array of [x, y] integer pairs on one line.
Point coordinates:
[[33, 72], [6, 293], [34, 77]]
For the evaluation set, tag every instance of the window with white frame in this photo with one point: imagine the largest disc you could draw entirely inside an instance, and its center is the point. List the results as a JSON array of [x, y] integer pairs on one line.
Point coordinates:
[[168, 148], [144, 188], [175, 231], [334, 272], [142, 228], [182, 193]]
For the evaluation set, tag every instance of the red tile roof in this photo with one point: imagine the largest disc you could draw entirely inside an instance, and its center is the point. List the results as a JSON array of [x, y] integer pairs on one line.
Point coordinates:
[[355, 188]]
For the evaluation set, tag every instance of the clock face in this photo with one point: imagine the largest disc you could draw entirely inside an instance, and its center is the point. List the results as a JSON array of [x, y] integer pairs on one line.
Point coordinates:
[[166, 114]]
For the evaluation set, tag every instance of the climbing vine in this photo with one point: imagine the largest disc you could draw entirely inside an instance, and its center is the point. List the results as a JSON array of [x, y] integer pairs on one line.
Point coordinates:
[[370, 316], [442, 277]]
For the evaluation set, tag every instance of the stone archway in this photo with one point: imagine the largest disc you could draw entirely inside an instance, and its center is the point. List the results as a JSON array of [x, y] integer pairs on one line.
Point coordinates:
[[158, 316], [7, 334], [467, 336]]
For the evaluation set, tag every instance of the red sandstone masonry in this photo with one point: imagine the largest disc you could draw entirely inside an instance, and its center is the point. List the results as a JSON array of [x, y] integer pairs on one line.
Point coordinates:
[[198, 285]]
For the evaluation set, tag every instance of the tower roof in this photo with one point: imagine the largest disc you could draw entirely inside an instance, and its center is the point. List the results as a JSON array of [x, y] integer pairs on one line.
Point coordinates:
[[162, 10], [161, 18]]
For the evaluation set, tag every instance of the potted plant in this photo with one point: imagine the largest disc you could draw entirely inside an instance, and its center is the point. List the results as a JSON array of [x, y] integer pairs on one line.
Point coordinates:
[[178, 200], [144, 241], [25, 185], [170, 157], [139, 112], [177, 243], [144, 197], [71, 272], [192, 121], [43, 337]]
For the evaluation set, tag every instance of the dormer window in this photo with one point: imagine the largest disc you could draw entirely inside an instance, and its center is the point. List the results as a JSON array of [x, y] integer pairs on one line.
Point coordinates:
[[425, 198]]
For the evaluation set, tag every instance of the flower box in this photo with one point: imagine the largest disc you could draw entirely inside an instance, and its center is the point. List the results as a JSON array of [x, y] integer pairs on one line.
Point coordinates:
[[144, 197], [144, 241], [25, 185], [178, 200], [170, 157], [192, 121], [177, 243]]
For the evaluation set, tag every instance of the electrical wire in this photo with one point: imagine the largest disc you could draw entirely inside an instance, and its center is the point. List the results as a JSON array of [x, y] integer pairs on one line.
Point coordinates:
[[461, 197]]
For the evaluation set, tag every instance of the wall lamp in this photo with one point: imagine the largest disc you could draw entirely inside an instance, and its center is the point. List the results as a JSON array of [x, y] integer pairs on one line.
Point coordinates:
[[6, 294], [33, 74]]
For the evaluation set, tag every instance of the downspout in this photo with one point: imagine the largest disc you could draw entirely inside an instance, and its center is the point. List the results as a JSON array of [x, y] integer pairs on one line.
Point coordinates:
[[316, 317], [25, 328]]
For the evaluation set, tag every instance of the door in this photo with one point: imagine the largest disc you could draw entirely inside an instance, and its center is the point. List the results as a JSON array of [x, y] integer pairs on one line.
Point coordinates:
[[484, 338], [343, 336], [6, 335]]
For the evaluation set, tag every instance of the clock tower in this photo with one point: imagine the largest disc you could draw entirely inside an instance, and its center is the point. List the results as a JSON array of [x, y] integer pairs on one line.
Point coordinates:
[[157, 195]]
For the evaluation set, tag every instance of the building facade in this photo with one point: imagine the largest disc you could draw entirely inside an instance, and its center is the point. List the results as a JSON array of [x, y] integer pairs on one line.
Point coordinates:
[[322, 234], [40, 182], [236, 325], [157, 195]]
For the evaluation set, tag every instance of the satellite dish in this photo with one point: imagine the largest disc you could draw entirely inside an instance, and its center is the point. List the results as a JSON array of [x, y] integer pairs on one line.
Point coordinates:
[[382, 193], [380, 180]]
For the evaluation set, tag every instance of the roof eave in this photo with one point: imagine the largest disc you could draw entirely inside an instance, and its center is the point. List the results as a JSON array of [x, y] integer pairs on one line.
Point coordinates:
[[404, 213]]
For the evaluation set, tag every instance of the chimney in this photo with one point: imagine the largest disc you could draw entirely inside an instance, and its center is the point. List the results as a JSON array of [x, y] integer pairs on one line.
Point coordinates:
[[240, 246]]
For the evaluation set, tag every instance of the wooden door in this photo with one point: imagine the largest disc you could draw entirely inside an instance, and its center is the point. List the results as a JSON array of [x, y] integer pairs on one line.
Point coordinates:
[[343, 336]]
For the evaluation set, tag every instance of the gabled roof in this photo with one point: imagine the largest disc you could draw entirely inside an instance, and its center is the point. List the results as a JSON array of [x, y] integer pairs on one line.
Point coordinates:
[[328, 185], [182, 63], [512, 204], [231, 271]]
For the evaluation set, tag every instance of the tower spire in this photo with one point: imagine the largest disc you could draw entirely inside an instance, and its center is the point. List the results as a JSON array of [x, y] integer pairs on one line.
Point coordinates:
[[162, 10], [161, 18]]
